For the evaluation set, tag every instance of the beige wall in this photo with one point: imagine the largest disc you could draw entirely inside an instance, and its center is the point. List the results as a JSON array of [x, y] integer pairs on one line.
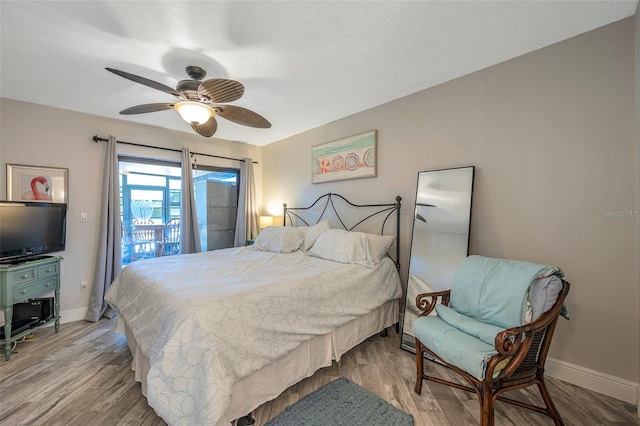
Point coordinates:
[[38, 135], [553, 137]]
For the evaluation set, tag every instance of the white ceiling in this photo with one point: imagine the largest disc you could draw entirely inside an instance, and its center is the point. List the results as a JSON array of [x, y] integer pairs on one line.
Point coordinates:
[[304, 63]]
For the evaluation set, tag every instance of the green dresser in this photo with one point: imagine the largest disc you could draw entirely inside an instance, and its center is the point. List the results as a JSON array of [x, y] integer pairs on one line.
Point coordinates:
[[25, 281]]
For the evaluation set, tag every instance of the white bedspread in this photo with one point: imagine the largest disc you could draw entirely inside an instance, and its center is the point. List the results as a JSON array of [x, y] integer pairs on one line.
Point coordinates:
[[207, 320]]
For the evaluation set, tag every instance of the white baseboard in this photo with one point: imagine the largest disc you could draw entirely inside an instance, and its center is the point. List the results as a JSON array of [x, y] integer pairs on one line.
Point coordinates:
[[73, 315], [595, 381]]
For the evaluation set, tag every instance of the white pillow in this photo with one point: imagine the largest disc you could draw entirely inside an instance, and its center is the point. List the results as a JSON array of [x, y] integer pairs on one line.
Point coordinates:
[[311, 233], [379, 246], [279, 239], [342, 246]]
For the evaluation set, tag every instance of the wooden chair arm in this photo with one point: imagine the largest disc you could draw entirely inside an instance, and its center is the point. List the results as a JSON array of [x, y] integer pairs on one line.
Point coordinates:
[[426, 302], [512, 343]]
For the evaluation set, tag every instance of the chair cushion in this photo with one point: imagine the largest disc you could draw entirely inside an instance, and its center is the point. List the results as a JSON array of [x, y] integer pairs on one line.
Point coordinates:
[[495, 291], [481, 330], [453, 345]]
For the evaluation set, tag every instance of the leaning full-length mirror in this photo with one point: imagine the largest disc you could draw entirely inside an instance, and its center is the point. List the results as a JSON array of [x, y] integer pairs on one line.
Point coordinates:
[[440, 239]]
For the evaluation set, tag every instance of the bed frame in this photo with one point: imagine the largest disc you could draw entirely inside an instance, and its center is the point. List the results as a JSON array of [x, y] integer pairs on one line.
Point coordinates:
[[375, 216]]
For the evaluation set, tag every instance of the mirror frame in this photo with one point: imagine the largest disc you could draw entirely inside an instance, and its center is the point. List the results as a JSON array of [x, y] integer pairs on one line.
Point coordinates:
[[405, 343]]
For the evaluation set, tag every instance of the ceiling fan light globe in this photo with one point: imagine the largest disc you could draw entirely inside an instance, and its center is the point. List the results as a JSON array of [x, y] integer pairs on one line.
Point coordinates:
[[194, 112]]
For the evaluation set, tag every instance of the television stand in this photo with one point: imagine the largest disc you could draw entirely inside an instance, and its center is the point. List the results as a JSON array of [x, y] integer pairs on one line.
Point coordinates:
[[23, 281]]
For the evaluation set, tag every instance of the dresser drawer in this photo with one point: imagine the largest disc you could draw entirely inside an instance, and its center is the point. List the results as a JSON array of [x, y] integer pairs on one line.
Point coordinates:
[[28, 291], [50, 270], [24, 276]]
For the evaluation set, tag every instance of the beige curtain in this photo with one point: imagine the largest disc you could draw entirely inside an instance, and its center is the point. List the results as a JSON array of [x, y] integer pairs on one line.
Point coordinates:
[[189, 232], [109, 260], [247, 220]]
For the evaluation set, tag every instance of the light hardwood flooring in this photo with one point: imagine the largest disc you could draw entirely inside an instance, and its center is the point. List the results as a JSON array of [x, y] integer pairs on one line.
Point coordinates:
[[82, 376]]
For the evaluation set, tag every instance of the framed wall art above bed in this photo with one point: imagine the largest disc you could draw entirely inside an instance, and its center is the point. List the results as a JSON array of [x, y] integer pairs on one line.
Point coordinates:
[[353, 157]]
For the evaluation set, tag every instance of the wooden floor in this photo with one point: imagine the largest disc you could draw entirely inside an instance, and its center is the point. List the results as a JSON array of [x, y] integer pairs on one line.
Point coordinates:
[[82, 376]]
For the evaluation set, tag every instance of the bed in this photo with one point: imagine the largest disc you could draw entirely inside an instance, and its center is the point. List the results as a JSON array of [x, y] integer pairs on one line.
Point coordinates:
[[214, 335]]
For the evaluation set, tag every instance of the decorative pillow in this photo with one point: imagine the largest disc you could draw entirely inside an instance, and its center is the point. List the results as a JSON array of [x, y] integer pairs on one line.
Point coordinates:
[[279, 239], [379, 246], [342, 246], [311, 233]]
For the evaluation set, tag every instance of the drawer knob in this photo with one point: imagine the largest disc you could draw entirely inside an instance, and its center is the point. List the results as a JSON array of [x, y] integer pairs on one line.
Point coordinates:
[[48, 284], [24, 292], [25, 276], [48, 270]]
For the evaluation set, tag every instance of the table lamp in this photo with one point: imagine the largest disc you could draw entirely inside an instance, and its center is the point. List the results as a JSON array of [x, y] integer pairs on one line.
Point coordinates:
[[265, 221]]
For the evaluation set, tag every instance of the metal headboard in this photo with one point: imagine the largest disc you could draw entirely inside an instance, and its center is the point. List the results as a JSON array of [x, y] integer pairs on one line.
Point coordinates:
[[328, 200]]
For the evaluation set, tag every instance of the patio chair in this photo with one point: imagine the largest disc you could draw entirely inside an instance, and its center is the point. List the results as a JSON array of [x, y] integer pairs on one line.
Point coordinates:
[[143, 240], [170, 244]]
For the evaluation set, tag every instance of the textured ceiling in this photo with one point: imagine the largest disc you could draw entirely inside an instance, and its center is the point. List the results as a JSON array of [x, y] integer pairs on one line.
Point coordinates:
[[304, 64]]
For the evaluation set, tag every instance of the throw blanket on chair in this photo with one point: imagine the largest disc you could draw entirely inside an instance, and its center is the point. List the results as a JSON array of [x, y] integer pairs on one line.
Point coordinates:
[[485, 288]]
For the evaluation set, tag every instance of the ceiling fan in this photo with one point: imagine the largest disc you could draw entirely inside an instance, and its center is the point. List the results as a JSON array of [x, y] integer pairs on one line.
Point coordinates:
[[199, 101]]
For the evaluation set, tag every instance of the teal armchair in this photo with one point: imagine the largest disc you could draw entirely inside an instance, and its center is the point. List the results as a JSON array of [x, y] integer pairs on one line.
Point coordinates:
[[494, 328]]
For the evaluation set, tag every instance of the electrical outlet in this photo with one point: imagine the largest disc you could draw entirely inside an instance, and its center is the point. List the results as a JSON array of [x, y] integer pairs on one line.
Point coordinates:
[[84, 217], [84, 286]]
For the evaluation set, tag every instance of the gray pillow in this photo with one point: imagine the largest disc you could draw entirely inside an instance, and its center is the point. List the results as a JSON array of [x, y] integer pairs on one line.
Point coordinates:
[[544, 294]]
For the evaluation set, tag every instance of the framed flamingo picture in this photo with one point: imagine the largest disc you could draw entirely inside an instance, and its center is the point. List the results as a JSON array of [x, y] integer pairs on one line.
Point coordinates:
[[348, 158], [37, 183]]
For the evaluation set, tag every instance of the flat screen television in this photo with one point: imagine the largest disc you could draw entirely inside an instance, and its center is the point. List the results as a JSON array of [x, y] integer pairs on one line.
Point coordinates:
[[29, 229]]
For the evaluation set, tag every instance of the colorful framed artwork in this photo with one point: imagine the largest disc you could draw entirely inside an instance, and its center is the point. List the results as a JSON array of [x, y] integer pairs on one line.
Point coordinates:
[[348, 158], [36, 183]]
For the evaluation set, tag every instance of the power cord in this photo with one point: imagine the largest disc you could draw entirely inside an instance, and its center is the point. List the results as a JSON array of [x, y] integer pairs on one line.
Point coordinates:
[[28, 338], [25, 339]]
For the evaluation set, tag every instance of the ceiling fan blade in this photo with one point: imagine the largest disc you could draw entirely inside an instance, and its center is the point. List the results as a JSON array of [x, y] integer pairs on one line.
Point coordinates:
[[145, 81], [421, 218], [141, 109], [207, 129], [242, 116], [425, 205], [220, 90]]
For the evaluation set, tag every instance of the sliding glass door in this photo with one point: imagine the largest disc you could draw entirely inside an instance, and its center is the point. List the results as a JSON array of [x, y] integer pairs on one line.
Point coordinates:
[[150, 194]]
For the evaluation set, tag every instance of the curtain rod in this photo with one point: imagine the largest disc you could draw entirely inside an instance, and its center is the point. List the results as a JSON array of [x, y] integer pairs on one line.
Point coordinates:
[[97, 139]]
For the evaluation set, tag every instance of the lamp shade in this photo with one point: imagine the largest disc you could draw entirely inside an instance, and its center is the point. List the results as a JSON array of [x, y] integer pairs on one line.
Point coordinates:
[[266, 221], [194, 112]]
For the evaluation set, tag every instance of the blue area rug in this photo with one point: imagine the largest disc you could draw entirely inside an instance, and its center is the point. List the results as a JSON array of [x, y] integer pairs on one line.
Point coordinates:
[[342, 403]]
